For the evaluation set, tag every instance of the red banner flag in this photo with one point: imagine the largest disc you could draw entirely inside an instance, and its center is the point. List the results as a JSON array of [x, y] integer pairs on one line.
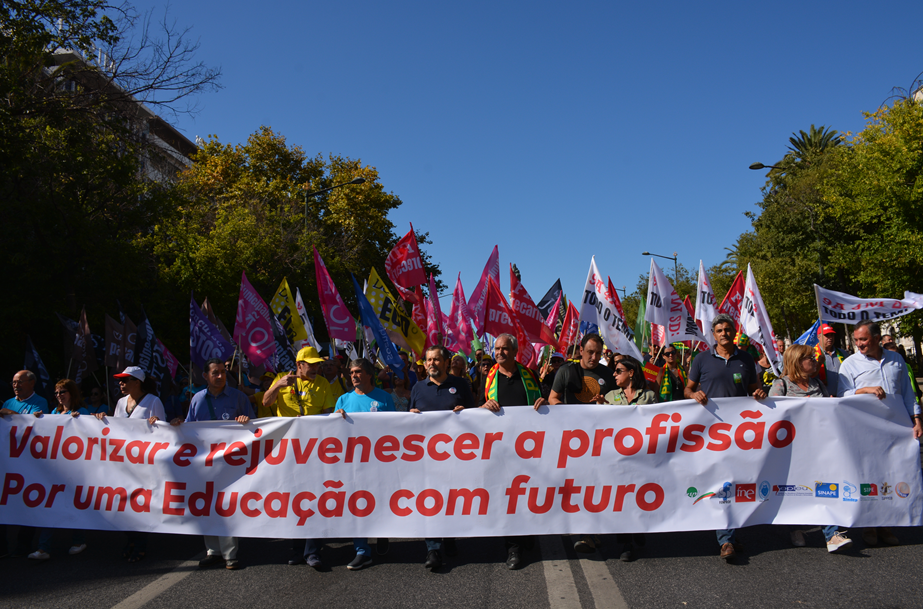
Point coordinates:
[[404, 266], [460, 318], [734, 299], [340, 324], [615, 298], [569, 329], [437, 316], [419, 317], [527, 313], [479, 296], [500, 319]]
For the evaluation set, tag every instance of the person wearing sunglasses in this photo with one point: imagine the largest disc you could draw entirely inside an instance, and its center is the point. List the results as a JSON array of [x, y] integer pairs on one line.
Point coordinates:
[[95, 403], [671, 380], [631, 387]]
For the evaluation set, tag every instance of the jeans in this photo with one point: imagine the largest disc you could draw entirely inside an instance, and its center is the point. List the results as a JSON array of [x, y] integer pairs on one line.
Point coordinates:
[[725, 536], [829, 531], [362, 546], [433, 544], [45, 536]]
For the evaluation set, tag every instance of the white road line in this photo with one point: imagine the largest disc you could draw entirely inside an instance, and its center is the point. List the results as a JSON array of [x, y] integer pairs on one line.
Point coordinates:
[[559, 579], [606, 593], [161, 585]]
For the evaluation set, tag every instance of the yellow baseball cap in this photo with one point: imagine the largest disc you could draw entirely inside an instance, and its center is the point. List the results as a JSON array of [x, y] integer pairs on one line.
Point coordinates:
[[310, 355]]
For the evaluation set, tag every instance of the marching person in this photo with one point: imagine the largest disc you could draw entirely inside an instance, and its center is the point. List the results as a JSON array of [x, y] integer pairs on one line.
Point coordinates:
[[26, 401], [509, 383], [879, 372], [723, 372], [829, 358], [585, 381], [672, 378], [218, 402]]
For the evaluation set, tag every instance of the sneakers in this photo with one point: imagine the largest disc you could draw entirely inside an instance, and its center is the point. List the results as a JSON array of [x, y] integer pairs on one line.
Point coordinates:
[[211, 560], [587, 545], [433, 560], [798, 539], [513, 560], [40, 555], [360, 561], [727, 551], [296, 559], [232, 564], [838, 541], [314, 561], [382, 544], [77, 549]]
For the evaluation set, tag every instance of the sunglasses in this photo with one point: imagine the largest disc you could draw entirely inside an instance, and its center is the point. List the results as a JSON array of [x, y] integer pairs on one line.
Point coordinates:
[[61, 392], [621, 370], [669, 353]]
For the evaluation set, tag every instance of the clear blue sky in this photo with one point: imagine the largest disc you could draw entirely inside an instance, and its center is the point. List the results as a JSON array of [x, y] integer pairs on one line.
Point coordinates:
[[557, 131]]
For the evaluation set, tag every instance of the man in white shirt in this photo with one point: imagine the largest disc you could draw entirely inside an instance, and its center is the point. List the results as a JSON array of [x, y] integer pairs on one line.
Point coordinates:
[[879, 372]]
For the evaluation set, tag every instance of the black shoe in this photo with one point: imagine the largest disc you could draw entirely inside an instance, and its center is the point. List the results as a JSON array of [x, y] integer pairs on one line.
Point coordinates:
[[360, 561], [382, 544], [448, 544], [628, 553], [296, 559], [212, 560], [433, 560], [513, 561], [314, 562]]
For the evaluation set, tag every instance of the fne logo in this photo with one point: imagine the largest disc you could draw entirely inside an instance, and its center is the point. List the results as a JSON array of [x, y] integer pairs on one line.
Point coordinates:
[[826, 490], [745, 492]]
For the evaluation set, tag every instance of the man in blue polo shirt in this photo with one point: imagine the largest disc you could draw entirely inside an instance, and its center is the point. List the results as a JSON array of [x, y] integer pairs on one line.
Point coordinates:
[[218, 402], [26, 400], [723, 372], [440, 391]]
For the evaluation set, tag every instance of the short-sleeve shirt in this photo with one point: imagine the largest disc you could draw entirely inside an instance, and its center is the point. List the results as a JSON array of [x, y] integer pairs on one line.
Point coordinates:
[[32, 404], [510, 390], [149, 406], [228, 405], [579, 385], [313, 397], [80, 410], [427, 396], [642, 397], [377, 400], [720, 378]]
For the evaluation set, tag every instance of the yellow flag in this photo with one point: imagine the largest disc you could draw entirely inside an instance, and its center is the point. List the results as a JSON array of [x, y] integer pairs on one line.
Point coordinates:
[[396, 321], [283, 305]]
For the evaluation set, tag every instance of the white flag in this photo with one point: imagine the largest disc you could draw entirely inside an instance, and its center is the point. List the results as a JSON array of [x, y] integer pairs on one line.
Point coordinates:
[[754, 322], [705, 310], [836, 307], [598, 308], [665, 308], [303, 314]]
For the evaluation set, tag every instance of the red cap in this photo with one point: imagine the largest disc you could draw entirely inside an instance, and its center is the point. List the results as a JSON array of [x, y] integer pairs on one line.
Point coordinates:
[[825, 329]]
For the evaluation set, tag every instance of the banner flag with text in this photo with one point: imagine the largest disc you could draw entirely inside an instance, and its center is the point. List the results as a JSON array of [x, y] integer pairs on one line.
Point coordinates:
[[836, 307]]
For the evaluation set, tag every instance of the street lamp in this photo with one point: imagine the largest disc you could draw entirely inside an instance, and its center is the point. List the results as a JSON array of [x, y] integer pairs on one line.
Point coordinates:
[[758, 166], [320, 192], [675, 267]]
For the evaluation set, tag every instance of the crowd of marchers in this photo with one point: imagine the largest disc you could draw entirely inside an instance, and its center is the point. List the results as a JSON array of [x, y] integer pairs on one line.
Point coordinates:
[[441, 381]]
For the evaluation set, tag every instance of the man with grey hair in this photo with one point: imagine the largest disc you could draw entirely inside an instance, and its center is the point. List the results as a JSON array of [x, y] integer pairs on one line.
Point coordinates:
[[26, 400], [879, 372], [723, 372]]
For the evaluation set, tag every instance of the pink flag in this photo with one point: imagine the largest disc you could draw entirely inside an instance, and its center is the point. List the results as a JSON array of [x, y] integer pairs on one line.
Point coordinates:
[[340, 324], [437, 309], [528, 314], [614, 296], [476, 306], [500, 319], [253, 330], [419, 316], [569, 329], [451, 334], [433, 335], [404, 266], [172, 362], [552, 321], [460, 317]]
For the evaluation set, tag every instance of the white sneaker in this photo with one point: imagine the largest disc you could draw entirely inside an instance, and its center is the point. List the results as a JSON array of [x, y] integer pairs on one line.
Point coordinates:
[[77, 549], [798, 539], [40, 555], [838, 541]]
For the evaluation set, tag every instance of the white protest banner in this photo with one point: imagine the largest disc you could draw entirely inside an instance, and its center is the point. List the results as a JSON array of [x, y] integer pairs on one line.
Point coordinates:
[[674, 466], [306, 322], [599, 308], [705, 310], [836, 307], [665, 308], [754, 322]]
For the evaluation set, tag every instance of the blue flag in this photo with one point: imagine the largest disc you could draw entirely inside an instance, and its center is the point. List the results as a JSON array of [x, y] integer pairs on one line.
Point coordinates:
[[386, 349], [809, 338], [205, 340], [37, 367]]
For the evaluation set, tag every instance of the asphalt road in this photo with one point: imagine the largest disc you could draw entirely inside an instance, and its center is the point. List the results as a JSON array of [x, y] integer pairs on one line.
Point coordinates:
[[675, 570]]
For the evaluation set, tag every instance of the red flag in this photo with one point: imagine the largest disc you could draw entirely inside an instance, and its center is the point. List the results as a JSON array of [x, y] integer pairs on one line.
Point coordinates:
[[552, 320], [614, 296], [734, 299], [460, 318], [340, 324], [569, 329], [419, 317], [527, 313], [404, 266], [433, 334], [500, 319], [479, 296], [437, 311], [657, 335]]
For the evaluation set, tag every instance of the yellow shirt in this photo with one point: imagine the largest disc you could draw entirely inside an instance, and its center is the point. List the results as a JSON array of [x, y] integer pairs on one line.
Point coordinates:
[[304, 398]]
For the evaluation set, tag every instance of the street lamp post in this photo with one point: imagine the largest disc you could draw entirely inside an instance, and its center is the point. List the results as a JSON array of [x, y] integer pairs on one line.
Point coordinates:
[[675, 266], [308, 195]]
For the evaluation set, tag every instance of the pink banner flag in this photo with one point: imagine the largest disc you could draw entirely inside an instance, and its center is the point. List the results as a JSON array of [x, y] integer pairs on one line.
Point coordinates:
[[253, 330], [476, 305], [419, 316], [340, 324], [527, 313], [460, 317], [552, 321], [404, 266], [569, 329], [451, 334], [433, 335], [437, 310], [500, 319], [172, 362]]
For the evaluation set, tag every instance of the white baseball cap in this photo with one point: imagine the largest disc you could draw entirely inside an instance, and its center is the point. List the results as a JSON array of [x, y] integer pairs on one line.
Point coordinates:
[[133, 371]]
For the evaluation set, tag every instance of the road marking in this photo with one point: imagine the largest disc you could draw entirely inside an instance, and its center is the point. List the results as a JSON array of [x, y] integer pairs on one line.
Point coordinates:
[[559, 579], [161, 585], [605, 591]]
